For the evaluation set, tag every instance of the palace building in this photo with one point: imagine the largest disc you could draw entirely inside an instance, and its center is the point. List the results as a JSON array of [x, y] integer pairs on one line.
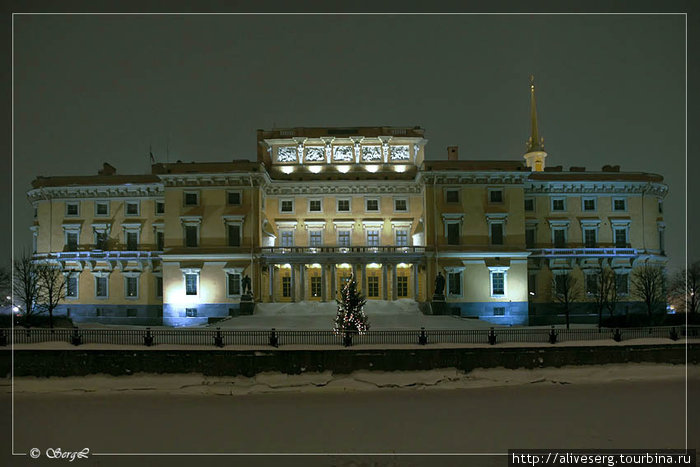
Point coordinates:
[[321, 204]]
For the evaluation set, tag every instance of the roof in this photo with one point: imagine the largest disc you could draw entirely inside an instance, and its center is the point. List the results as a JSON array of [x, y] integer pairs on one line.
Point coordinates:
[[317, 132], [476, 166], [596, 176], [88, 180]]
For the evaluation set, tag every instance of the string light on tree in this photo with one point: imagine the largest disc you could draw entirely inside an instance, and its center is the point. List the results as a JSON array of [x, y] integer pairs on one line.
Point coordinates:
[[351, 316]]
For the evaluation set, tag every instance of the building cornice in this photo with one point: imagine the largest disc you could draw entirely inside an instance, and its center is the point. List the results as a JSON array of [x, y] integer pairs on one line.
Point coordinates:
[[244, 179], [149, 190], [595, 187], [472, 178], [344, 187]]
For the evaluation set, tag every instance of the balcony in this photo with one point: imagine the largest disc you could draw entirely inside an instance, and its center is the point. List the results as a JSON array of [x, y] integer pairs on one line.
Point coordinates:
[[341, 254], [582, 252], [98, 255]]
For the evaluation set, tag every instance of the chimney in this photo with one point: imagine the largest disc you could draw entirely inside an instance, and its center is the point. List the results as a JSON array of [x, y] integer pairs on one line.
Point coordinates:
[[107, 169], [452, 153]]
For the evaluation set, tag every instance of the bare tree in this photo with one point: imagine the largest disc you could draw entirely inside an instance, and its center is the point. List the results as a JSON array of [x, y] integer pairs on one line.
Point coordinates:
[[611, 302], [5, 286], [685, 289], [649, 285], [566, 290], [25, 284], [52, 286], [604, 292]]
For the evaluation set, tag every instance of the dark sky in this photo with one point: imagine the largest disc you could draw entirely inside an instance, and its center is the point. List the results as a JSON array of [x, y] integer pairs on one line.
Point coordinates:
[[93, 89]]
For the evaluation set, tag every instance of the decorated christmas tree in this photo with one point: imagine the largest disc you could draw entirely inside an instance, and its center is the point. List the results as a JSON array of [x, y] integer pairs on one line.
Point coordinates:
[[351, 316]]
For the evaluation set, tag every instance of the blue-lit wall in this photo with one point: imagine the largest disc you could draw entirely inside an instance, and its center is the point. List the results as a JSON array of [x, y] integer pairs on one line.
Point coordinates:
[[147, 315], [515, 313], [176, 315]]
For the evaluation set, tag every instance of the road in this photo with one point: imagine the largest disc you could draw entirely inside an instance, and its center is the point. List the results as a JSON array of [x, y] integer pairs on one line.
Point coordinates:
[[475, 420]]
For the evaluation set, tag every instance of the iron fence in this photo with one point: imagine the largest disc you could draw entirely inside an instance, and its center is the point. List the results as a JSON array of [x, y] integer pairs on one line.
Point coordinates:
[[276, 338]]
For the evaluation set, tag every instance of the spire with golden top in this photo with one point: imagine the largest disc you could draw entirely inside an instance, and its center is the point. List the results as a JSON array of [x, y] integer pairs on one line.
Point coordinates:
[[535, 144]]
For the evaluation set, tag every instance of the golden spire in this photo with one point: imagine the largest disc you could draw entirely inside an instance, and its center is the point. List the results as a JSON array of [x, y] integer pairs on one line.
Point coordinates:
[[534, 143]]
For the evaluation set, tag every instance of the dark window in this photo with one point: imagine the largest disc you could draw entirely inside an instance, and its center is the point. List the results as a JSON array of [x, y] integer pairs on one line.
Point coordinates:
[[191, 235], [400, 205], [453, 233], [102, 209], [589, 238], [529, 204], [452, 196], [160, 207], [234, 198], [160, 240], [191, 199], [661, 207], [72, 241], [558, 205], [191, 312], [343, 205], [619, 204], [561, 283], [497, 234], [589, 204], [159, 286], [662, 241], [496, 196], [592, 283], [315, 286], [132, 241], [36, 212], [532, 284], [72, 286], [130, 312], [132, 209], [132, 287], [72, 209], [622, 283], [100, 286], [287, 205], [190, 284], [234, 284], [499, 311], [454, 283], [372, 205], [498, 283], [402, 286], [529, 238], [286, 286], [234, 235], [315, 205], [620, 238], [559, 238], [373, 286]]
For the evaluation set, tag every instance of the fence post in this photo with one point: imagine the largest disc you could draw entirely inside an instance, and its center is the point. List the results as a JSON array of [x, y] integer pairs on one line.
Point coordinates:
[[617, 335], [3, 338], [673, 335], [347, 339], [76, 338], [492, 337], [552, 336], [423, 338], [273, 338], [218, 340], [148, 338]]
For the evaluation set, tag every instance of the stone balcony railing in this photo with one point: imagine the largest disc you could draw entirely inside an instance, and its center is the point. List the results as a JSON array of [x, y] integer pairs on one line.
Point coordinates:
[[581, 252]]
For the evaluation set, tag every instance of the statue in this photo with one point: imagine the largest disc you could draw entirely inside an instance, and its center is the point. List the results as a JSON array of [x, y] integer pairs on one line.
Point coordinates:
[[246, 285], [439, 284]]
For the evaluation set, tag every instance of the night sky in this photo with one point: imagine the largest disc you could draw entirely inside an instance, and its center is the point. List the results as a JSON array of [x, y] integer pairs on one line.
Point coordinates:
[[94, 89]]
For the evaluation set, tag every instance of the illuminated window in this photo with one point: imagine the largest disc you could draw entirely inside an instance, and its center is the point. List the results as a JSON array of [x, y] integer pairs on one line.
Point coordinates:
[[402, 286], [287, 238], [401, 237], [373, 237], [343, 238], [315, 238], [498, 283], [191, 283], [373, 286], [286, 286]]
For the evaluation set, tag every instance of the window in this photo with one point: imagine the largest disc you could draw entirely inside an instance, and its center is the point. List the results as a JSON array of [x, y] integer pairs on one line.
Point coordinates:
[[558, 204], [453, 233], [190, 312], [132, 208], [233, 198], [160, 208], [73, 209], [662, 242], [315, 205], [401, 237], [589, 238], [622, 283], [131, 312], [159, 286], [35, 241], [287, 205], [234, 234], [101, 208], [661, 207], [343, 205], [72, 286], [454, 283], [191, 232], [191, 198], [559, 238], [101, 240], [72, 240], [495, 196], [287, 286], [36, 212], [233, 281], [287, 238], [498, 283], [315, 286], [452, 195], [373, 286], [619, 204], [496, 234], [132, 240], [132, 287], [561, 283], [401, 205], [315, 238], [372, 205], [591, 284], [529, 204], [344, 238], [588, 204], [373, 237], [620, 238], [529, 238], [160, 240], [402, 286], [499, 311], [532, 284], [191, 283], [101, 287]]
